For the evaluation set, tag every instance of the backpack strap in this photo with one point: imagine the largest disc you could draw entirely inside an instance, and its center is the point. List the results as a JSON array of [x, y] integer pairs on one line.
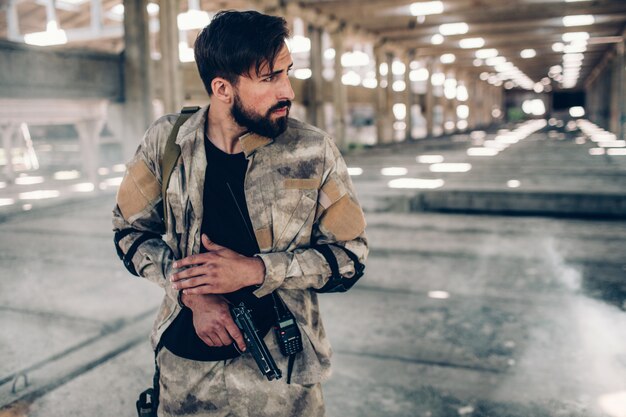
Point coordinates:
[[171, 154]]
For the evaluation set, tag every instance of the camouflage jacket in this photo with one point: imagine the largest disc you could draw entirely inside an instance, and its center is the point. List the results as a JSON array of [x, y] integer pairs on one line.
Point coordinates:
[[299, 195]]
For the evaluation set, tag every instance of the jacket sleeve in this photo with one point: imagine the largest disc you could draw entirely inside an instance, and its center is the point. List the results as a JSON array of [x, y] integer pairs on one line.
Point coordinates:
[[335, 259], [137, 216]]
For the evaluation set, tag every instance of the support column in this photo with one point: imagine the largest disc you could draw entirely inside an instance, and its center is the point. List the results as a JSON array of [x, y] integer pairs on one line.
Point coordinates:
[[137, 75], [339, 94], [315, 110], [408, 97], [470, 84], [8, 132], [430, 100], [13, 27], [388, 136], [89, 137], [622, 72], [617, 80], [381, 96], [172, 80]]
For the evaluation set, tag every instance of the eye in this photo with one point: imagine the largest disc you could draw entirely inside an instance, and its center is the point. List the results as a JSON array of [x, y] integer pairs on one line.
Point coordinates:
[[268, 79]]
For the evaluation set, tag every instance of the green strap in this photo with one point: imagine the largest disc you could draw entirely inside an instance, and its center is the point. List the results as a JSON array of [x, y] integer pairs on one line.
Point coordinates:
[[171, 154]]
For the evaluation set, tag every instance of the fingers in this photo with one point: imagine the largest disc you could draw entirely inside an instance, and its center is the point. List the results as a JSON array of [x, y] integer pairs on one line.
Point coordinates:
[[195, 272], [210, 245], [235, 334], [197, 259]]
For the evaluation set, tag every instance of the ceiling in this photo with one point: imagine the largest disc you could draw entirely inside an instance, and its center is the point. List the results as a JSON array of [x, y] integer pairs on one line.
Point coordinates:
[[510, 26]]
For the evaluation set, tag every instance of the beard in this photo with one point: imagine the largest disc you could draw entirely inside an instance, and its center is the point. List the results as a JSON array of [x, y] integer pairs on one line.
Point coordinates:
[[260, 124]]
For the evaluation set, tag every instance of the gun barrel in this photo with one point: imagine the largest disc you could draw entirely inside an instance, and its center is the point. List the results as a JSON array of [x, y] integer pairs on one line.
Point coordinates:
[[254, 343]]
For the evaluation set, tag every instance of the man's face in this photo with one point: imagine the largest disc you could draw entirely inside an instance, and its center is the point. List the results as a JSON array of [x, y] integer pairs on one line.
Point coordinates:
[[261, 103]]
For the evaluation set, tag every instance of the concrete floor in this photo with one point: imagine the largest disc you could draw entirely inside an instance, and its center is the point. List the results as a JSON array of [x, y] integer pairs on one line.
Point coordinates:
[[458, 314]]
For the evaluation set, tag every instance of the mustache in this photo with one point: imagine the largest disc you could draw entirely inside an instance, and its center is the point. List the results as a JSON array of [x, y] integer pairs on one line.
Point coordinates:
[[279, 105]]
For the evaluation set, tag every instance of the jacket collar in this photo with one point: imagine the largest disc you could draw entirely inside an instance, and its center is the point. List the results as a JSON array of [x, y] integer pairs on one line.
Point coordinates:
[[194, 128]]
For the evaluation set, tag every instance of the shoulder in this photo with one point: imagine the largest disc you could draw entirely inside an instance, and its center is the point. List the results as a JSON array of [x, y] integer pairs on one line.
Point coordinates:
[[302, 137]]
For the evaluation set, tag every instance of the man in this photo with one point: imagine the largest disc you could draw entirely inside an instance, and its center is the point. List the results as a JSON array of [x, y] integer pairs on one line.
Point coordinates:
[[259, 208]]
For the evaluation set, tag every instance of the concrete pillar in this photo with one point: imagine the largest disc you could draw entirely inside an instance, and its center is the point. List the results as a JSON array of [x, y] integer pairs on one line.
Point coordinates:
[[89, 138], [172, 79], [315, 93], [622, 71], [617, 100], [430, 100], [13, 26], [470, 84], [449, 109], [388, 137], [339, 93], [8, 132], [408, 97], [381, 96], [137, 75]]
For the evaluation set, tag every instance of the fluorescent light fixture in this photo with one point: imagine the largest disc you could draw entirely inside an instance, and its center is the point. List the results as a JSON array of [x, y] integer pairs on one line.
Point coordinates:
[[447, 58], [470, 43], [426, 8], [394, 171], [399, 111], [26, 180], [477, 62], [441, 295], [302, 73], [449, 29], [577, 111], [486, 53], [351, 78], [118, 9], [461, 93], [299, 44], [575, 36], [482, 151], [513, 183], [39, 195], [420, 74], [383, 69], [355, 59], [578, 20], [370, 83], [398, 68], [450, 167], [429, 159], [193, 19], [573, 57], [496, 60], [575, 48], [153, 9], [416, 183], [528, 53], [66, 175], [398, 86], [436, 39], [355, 171], [51, 36], [462, 112], [329, 54], [185, 53], [558, 47]]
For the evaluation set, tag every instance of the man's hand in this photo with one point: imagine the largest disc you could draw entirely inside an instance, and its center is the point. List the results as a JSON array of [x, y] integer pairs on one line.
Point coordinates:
[[213, 321], [218, 271]]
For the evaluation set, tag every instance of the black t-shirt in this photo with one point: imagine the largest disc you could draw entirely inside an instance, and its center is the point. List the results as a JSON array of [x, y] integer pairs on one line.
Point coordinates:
[[228, 224]]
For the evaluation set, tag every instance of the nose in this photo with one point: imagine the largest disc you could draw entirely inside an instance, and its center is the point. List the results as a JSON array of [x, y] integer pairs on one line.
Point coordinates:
[[285, 91]]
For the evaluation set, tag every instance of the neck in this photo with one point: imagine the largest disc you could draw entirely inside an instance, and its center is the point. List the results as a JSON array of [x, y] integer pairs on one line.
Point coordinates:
[[223, 131]]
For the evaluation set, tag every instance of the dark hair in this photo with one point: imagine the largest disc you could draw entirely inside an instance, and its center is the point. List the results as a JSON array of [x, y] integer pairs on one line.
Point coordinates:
[[235, 42]]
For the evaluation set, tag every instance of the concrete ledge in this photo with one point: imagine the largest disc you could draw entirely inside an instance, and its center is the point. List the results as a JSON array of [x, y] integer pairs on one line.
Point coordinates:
[[558, 204]]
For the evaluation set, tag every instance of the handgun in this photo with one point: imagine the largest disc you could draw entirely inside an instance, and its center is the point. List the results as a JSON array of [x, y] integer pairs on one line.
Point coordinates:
[[255, 345]]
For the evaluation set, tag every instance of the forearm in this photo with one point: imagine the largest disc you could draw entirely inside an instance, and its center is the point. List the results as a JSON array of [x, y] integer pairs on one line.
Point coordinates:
[[308, 268]]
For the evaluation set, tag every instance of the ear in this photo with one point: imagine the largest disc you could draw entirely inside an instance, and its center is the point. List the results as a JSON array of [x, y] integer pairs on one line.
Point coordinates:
[[222, 90]]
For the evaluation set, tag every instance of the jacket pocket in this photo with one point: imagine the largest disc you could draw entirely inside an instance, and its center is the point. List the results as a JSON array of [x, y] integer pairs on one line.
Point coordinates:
[[293, 213]]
